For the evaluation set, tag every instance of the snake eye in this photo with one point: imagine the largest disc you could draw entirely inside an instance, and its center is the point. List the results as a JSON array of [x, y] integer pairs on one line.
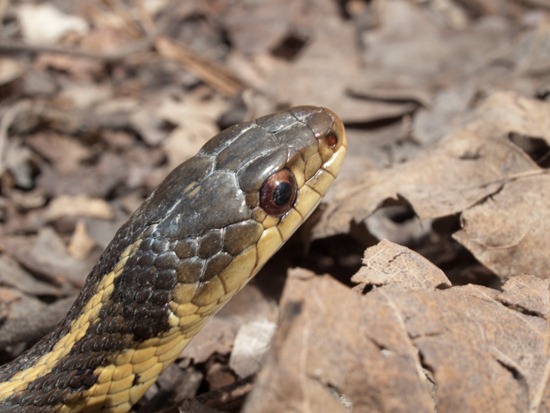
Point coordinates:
[[278, 193]]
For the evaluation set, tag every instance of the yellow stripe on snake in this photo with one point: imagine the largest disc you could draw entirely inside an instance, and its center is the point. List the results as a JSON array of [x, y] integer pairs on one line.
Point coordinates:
[[204, 232]]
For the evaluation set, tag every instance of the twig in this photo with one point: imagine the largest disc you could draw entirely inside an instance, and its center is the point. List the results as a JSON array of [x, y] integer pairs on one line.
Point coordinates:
[[132, 25], [212, 73], [139, 46], [536, 3]]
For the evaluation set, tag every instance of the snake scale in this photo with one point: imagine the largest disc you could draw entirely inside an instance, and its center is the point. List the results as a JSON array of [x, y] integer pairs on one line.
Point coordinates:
[[202, 234]]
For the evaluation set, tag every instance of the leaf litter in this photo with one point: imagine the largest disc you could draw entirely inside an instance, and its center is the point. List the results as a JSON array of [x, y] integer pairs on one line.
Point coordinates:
[[432, 245]]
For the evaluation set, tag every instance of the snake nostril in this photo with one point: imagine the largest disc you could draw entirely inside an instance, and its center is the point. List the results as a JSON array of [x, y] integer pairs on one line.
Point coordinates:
[[332, 140]]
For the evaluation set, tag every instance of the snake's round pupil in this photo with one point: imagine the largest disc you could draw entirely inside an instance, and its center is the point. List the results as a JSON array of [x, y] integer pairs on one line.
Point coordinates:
[[282, 193], [278, 193]]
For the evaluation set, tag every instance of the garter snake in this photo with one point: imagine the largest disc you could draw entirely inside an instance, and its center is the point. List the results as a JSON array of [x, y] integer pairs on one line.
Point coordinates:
[[202, 234]]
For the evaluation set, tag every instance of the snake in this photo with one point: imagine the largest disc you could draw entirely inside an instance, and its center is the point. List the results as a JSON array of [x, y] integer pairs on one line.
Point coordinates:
[[197, 240]]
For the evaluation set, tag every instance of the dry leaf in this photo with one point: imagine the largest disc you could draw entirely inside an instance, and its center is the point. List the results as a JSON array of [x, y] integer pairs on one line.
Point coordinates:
[[509, 232], [12, 275], [27, 318], [95, 180], [518, 293], [330, 60], [452, 177], [251, 343], [396, 267], [78, 206], [389, 346], [45, 24], [333, 353], [65, 152], [10, 70], [271, 23], [47, 255], [81, 244], [415, 83], [195, 123]]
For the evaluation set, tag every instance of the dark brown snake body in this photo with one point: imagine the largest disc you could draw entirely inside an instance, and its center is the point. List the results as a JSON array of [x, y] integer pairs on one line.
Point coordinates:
[[197, 240]]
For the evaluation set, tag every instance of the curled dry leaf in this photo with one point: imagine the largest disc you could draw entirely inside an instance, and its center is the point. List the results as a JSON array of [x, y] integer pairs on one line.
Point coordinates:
[[466, 167], [195, 123], [518, 293], [47, 255], [397, 267], [96, 180], [337, 45], [509, 232], [45, 24], [64, 152], [459, 349], [81, 244], [12, 275], [476, 171], [10, 70], [17, 161], [25, 319], [324, 325], [78, 206], [251, 343]]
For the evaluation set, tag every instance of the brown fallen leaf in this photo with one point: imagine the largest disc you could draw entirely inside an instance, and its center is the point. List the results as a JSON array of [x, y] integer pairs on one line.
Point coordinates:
[[195, 122], [271, 23], [95, 180], [396, 267], [81, 244], [444, 181], [12, 275], [506, 113], [403, 75], [333, 353], [324, 65], [250, 345], [413, 35], [26, 319], [518, 293], [65, 152], [78, 206], [509, 232], [10, 71], [470, 168], [46, 254], [146, 121], [454, 350], [464, 168]]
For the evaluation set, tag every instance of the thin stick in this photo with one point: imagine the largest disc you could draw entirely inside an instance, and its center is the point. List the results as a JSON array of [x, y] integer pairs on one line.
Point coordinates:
[[212, 73]]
